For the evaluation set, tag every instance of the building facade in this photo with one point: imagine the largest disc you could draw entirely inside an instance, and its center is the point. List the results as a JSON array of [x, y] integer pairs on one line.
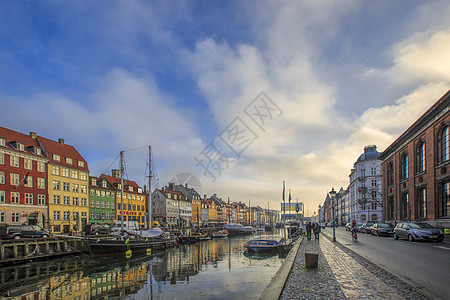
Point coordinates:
[[23, 179], [416, 167], [102, 201]]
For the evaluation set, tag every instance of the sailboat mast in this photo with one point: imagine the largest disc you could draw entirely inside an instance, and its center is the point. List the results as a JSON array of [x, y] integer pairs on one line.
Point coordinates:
[[149, 205], [121, 192]]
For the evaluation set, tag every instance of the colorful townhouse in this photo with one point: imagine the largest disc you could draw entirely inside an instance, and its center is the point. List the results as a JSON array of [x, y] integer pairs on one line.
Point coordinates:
[[134, 199], [167, 207], [23, 179], [193, 214], [102, 201], [68, 181]]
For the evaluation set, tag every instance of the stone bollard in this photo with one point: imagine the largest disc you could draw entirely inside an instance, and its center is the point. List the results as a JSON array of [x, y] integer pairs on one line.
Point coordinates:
[[311, 259]]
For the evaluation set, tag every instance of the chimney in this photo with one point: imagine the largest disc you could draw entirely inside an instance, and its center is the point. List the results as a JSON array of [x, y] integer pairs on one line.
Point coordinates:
[[185, 185], [33, 134], [61, 141], [115, 173], [172, 186]]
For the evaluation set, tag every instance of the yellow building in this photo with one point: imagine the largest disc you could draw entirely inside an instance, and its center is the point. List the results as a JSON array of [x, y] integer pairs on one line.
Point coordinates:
[[134, 199], [68, 181]]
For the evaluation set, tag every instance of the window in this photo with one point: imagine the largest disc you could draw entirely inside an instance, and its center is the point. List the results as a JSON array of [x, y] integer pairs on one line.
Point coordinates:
[[103, 204], [28, 198], [14, 161], [97, 204], [2, 158], [363, 218], [56, 215], [41, 183], [92, 192], [66, 216], [374, 182], [83, 189], [75, 174], [37, 151], [444, 200], [66, 200], [82, 175], [2, 177], [65, 172], [404, 167], [15, 197], [55, 170], [56, 185], [374, 194], [108, 205], [404, 207], [92, 215], [14, 179], [373, 171], [390, 174], [2, 197], [56, 228], [420, 158], [75, 188], [28, 164], [28, 181], [40, 166], [83, 202], [75, 216], [56, 199], [41, 199], [421, 203], [56, 157], [75, 201], [2, 142], [81, 164], [363, 173], [2, 217], [92, 203], [444, 145], [104, 184], [15, 217], [374, 206], [68, 161], [66, 186]]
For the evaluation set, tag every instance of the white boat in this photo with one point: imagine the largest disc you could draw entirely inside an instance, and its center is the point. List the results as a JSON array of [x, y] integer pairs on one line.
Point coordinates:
[[220, 233], [233, 228], [246, 230], [260, 229]]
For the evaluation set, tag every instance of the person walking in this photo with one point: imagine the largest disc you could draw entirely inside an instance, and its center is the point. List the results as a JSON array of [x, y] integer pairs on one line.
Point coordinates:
[[316, 230], [308, 231]]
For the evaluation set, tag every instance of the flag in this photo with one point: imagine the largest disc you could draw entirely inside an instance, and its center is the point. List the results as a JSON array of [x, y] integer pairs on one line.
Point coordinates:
[[25, 179], [289, 196]]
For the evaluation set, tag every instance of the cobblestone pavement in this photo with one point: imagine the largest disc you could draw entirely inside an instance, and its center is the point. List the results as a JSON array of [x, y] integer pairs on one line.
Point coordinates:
[[342, 274]]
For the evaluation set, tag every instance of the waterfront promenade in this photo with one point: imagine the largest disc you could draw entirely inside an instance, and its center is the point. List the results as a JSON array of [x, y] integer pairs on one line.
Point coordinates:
[[341, 274]]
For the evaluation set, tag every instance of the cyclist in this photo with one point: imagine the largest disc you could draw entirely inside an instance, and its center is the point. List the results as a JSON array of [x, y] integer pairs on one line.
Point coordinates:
[[354, 229]]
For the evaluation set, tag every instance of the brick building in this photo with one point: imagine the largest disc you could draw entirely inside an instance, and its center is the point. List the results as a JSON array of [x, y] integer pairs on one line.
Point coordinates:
[[416, 169]]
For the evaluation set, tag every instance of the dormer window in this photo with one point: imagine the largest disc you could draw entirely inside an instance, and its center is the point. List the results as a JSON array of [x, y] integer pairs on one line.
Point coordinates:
[[2, 142], [93, 181], [104, 184], [56, 157], [119, 186], [68, 160], [37, 151], [130, 188], [139, 190], [20, 146], [81, 164]]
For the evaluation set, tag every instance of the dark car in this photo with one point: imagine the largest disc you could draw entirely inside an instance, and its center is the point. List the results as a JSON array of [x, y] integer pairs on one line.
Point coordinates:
[[8, 231], [418, 231], [382, 229], [96, 229], [365, 227]]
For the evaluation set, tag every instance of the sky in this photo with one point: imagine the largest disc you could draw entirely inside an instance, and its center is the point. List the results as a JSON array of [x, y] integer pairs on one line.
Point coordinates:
[[234, 97]]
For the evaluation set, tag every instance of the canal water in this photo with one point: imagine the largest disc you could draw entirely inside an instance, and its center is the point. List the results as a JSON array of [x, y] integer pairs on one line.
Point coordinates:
[[213, 269]]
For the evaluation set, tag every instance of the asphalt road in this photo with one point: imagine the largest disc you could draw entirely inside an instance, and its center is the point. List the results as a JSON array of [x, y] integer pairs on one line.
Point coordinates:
[[424, 265]]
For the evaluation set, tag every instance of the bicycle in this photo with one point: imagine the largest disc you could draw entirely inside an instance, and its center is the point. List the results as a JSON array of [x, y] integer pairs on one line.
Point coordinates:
[[354, 236]]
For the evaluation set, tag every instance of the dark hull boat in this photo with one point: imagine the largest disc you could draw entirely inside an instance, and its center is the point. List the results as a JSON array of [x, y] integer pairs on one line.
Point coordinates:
[[102, 246]]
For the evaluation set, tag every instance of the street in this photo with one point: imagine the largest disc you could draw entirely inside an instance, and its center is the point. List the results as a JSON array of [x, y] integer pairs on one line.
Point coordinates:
[[424, 265]]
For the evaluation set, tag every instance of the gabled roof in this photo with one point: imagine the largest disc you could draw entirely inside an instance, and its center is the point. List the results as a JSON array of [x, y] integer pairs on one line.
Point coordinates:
[[11, 136], [167, 191], [114, 181], [99, 184], [64, 151]]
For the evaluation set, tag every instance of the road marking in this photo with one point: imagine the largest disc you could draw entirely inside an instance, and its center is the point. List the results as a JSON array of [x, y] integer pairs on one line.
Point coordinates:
[[442, 247]]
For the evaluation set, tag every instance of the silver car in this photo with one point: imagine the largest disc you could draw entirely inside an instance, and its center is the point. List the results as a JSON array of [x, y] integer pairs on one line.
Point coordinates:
[[418, 231]]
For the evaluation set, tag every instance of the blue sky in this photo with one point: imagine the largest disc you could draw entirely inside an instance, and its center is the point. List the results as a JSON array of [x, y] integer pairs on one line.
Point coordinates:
[[113, 75]]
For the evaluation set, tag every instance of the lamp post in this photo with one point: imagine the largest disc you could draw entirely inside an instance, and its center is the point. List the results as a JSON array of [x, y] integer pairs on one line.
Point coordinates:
[[332, 195]]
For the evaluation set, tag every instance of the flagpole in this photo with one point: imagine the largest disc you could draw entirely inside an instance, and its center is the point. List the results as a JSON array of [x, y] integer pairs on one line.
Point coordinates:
[[284, 214]]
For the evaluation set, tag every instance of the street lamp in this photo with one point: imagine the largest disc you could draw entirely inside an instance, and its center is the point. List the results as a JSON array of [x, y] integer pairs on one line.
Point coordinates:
[[333, 195]]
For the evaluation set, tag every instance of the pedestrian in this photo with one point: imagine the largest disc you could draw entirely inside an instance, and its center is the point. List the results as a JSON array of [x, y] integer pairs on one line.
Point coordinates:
[[308, 231], [316, 230]]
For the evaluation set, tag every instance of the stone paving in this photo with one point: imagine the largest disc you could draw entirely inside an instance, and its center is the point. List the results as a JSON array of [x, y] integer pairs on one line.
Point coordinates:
[[342, 274]]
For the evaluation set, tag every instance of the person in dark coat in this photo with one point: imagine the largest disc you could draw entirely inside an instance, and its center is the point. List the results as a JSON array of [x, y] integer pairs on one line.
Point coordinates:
[[316, 230], [308, 231]]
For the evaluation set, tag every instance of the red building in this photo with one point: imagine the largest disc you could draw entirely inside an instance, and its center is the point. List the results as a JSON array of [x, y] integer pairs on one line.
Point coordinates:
[[23, 179], [416, 169]]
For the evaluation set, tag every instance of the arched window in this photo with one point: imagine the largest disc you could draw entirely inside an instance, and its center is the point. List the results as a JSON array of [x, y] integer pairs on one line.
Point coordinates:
[[404, 167], [444, 144], [390, 174], [420, 157]]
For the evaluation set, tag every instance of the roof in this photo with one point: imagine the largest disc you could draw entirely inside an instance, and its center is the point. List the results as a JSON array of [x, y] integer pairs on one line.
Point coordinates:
[[370, 153], [114, 181], [99, 185], [64, 151], [15, 136]]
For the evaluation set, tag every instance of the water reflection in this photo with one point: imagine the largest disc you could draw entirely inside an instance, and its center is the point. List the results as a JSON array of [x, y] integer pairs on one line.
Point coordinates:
[[214, 269]]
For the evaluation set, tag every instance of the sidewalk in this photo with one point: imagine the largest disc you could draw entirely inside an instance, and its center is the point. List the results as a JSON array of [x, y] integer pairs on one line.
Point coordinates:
[[342, 275]]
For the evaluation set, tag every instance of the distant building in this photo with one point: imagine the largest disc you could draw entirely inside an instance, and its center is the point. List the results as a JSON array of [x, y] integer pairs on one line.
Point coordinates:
[[170, 207], [416, 167], [366, 202]]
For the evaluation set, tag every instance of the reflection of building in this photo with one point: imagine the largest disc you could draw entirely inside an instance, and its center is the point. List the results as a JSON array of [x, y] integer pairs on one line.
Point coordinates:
[[70, 286], [134, 200], [102, 201], [23, 179], [68, 180], [416, 182]]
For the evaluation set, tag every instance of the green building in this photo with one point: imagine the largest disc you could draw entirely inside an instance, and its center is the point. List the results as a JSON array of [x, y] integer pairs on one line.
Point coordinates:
[[102, 201]]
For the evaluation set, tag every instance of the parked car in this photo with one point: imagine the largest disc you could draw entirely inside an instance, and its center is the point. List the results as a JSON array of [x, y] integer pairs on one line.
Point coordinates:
[[365, 227], [347, 226], [358, 227], [96, 229], [8, 231], [418, 231], [382, 229]]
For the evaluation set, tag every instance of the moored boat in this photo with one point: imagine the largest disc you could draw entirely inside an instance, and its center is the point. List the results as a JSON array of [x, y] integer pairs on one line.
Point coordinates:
[[220, 233], [233, 228], [262, 245], [246, 230]]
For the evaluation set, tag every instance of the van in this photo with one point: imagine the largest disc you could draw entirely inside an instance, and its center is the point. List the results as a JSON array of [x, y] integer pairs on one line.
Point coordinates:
[[17, 232], [96, 229], [127, 225]]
